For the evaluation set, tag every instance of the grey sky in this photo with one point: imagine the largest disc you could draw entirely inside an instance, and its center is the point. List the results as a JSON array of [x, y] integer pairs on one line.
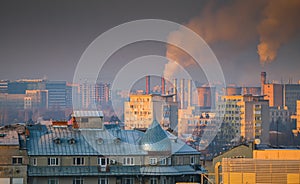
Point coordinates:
[[47, 38]]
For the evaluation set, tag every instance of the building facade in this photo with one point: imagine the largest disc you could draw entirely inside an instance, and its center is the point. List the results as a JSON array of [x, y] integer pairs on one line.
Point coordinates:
[[141, 110]]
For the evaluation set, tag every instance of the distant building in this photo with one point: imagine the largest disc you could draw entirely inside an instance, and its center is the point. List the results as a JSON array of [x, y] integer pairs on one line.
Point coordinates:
[[4, 86], [291, 95], [56, 94], [255, 91], [20, 86], [279, 114], [273, 93], [206, 97], [142, 109], [103, 93], [245, 117], [36, 99]]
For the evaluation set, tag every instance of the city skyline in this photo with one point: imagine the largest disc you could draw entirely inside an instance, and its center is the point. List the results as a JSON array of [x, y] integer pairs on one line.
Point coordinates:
[[49, 39]]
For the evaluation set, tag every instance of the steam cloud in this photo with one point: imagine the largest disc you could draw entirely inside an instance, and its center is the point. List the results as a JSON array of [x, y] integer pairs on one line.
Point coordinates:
[[273, 22]]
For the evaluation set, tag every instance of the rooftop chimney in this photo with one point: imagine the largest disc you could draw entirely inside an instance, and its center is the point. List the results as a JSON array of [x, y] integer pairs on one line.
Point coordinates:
[[263, 78], [147, 84]]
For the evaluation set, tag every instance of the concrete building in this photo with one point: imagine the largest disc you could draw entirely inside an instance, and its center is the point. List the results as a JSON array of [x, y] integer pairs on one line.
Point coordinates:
[[36, 99], [296, 131], [4, 86], [255, 91], [20, 86], [291, 95], [206, 97], [142, 109], [245, 117], [229, 91], [13, 156], [103, 93], [56, 94], [273, 93], [279, 113], [109, 155]]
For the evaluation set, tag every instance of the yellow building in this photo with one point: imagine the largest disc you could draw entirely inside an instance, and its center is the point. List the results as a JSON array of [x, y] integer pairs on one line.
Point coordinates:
[[142, 109], [247, 115], [297, 130], [266, 166]]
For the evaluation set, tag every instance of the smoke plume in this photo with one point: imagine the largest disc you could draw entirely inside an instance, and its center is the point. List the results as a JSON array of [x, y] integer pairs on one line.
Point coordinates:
[[242, 23]]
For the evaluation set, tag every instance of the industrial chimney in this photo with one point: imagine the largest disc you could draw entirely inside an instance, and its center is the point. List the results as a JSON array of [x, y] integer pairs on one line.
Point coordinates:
[[175, 90], [263, 78], [189, 93], [182, 93], [147, 84], [163, 86]]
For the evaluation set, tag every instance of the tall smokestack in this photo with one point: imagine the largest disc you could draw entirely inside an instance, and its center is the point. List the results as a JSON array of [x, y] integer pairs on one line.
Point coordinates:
[[263, 78], [182, 93], [175, 90], [163, 86], [147, 84], [189, 93]]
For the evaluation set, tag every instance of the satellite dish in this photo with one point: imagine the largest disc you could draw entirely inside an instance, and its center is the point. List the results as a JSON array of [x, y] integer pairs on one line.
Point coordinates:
[[257, 141]]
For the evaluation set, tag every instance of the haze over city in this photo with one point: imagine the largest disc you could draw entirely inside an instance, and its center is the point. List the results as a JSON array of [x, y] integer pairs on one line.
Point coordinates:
[[47, 39]]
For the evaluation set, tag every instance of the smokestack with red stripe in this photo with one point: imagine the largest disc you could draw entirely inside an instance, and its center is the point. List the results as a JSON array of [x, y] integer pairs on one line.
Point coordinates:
[[163, 86], [147, 84]]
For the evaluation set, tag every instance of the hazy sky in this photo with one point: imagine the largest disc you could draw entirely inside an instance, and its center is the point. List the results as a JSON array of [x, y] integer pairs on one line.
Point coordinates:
[[47, 38]]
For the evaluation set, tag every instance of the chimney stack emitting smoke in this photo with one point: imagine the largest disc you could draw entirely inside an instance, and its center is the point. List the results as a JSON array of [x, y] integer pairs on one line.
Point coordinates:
[[263, 78]]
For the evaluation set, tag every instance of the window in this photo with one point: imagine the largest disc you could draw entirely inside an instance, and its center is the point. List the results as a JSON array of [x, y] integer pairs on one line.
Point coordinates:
[[103, 161], [152, 161], [53, 161], [127, 181], [153, 181], [34, 161], [78, 181], [128, 161], [163, 180], [162, 161], [84, 120], [53, 181], [78, 161], [102, 181], [192, 160], [169, 161], [17, 160]]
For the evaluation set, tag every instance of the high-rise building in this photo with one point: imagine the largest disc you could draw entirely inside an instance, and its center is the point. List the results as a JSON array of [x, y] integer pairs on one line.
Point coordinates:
[[20, 86], [245, 116], [206, 97], [56, 94], [273, 93], [103, 93], [3, 86], [143, 109], [291, 95]]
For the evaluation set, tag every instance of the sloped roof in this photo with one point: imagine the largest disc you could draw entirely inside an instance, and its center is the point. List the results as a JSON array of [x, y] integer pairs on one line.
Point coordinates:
[[155, 139], [57, 141]]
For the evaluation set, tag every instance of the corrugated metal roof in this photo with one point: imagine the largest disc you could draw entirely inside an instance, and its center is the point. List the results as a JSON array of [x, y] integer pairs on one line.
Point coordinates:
[[155, 139], [88, 114], [108, 141], [58, 141]]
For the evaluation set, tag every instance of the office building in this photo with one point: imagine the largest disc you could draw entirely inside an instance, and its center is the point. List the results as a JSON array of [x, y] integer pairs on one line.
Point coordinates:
[[142, 109], [56, 94], [206, 97], [244, 117], [291, 95]]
